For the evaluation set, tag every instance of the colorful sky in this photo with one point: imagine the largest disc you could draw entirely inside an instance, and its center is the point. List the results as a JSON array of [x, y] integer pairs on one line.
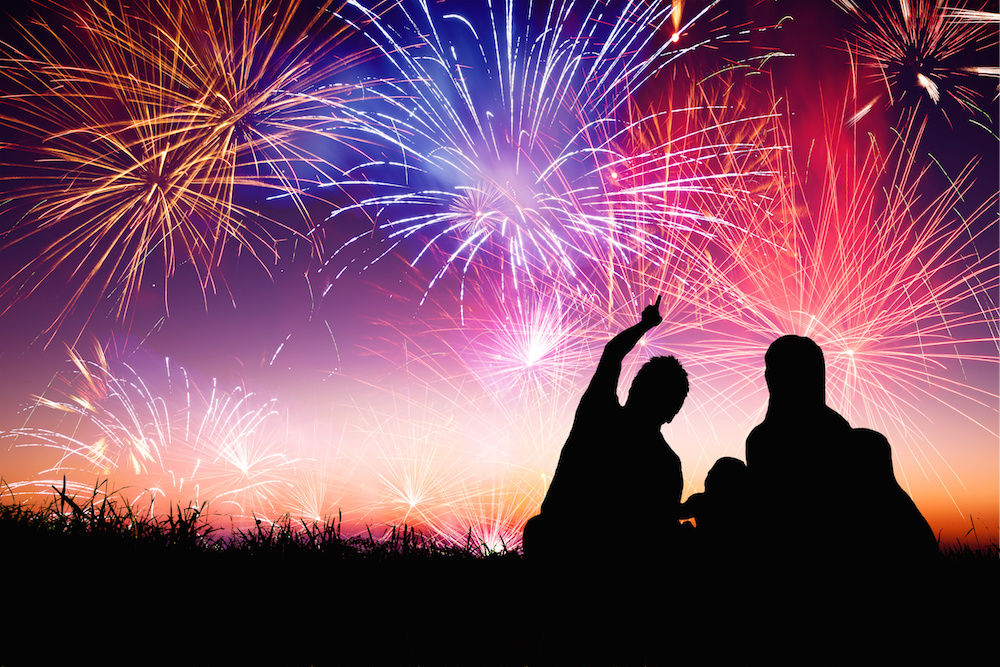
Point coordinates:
[[363, 261]]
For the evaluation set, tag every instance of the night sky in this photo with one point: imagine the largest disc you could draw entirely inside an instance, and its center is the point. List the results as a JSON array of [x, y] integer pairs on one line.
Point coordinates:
[[400, 243]]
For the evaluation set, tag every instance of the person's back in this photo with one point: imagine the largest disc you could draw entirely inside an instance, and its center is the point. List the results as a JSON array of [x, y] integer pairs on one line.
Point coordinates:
[[830, 487], [599, 549], [794, 457], [889, 527], [613, 478]]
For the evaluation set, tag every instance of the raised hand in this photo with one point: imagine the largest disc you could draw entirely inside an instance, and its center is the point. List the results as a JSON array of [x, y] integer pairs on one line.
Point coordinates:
[[651, 313]]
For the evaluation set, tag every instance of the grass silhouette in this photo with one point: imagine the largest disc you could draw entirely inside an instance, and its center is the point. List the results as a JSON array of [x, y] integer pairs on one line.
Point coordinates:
[[94, 575]]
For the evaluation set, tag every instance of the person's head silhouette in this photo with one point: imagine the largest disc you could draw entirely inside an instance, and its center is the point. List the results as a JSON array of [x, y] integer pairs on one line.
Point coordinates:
[[728, 477], [795, 372], [658, 391]]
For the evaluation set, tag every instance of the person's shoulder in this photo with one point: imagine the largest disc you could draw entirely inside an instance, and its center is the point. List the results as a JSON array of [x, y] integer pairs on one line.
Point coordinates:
[[758, 432], [870, 439], [870, 449], [868, 435], [597, 405], [835, 419]]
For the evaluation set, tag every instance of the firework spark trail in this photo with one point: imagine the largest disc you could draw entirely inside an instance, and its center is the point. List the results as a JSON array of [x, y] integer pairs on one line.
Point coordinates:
[[415, 448], [131, 426], [146, 120], [519, 352], [711, 133], [492, 519], [322, 487], [229, 449], [923, 47], [887, 280], [528, 350], [242, 454], [509, 143]]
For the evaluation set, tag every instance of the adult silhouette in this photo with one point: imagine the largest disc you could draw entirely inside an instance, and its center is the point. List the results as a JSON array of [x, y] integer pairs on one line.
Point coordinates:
[[617, 480], [601, 546], [836, 531], [827, 489], [794, 456]]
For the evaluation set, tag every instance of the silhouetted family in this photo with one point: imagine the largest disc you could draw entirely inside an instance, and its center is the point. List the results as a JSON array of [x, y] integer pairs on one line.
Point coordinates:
[[816, 507]]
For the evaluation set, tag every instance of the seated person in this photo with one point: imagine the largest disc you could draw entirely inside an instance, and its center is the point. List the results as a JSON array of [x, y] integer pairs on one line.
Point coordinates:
[[721, 513], [616, 472]]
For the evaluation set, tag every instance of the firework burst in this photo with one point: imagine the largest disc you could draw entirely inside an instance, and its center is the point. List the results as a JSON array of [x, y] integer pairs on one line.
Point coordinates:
[[144, 121], [510, 159], [924, 51], [492, 519], [130, 425], [415, 449], [242, 453], [893, 284]]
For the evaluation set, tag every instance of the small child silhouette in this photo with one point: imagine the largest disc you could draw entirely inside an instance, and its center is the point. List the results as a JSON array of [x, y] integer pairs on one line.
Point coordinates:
[[721, 513]]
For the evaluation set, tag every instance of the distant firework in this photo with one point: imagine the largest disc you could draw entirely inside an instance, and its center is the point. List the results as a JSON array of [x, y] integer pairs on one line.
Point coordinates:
[[924, 52], [139, 125], [107, 422], [228, 448]]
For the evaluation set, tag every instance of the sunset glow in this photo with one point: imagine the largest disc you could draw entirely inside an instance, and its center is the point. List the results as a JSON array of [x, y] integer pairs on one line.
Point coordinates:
[[320, 258]]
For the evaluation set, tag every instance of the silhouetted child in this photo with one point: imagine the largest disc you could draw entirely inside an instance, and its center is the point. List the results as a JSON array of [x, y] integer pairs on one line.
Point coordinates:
[[721, 513]]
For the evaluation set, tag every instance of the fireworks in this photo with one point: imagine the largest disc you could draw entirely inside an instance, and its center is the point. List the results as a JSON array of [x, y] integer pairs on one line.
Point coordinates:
[[510, 163], [889, 282], [920, 50], [130, 425], [493, 519], [145, 120], [514, 180], [243, 456], [229, 448]]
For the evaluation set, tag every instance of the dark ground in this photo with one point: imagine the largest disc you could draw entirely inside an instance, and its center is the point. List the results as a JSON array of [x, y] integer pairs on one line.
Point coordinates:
[[71, 598]]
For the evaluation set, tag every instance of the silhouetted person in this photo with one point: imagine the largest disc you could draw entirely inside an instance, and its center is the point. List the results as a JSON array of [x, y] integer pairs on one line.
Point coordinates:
[[713, 612], [617, 480], [889, 524], [722, 512], [609, 524], [837, 530], [795, 455], [830, 488]]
